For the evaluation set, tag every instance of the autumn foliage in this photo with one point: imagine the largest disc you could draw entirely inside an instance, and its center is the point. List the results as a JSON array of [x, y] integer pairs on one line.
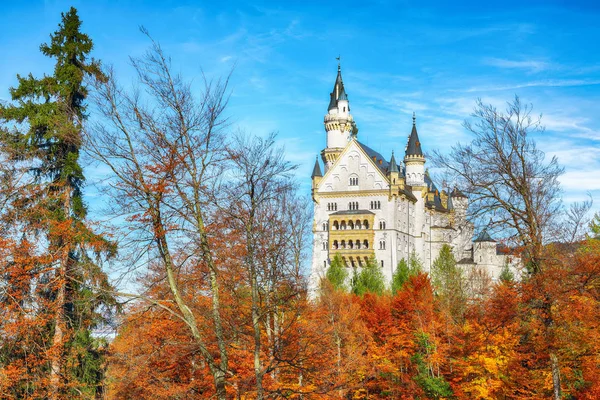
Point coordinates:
[[212, 227]]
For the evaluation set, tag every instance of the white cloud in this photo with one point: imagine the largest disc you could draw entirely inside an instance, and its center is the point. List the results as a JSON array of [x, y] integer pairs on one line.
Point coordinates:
[[529, 65], [539, 83]]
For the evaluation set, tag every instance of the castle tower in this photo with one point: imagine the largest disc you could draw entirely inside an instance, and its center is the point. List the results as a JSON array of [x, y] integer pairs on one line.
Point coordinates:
[[414, 159], [316, 177], [339, 124]]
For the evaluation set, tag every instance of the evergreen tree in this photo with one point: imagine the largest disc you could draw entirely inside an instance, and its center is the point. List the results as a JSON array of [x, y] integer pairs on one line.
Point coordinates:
[[448, 282], [44, 143], [595, 227], [337, 273], [404, 271], [400, 276], [369, 279], [506, 275]]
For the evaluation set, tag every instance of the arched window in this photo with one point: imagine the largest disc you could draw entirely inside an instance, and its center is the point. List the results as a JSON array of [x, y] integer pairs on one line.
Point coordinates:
[[365, 244], [350, 244], [366, 224], [343, 226], [343, 244], [324, 245], [378, 205], [336, 226], [335, 245], [357, 224], [381, 263], [382, 225], [370, 208], [357, 244], [350, 225]]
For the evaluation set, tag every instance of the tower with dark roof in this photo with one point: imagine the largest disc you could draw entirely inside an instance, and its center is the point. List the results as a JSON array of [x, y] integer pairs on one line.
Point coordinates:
[[339, 124], [414, 158]]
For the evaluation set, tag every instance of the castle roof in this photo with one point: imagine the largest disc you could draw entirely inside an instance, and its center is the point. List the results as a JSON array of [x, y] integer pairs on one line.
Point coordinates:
[[457, 193], [393, 167], [339, 92], [317, 169], [484, 236], [379, 160], [414, 145]]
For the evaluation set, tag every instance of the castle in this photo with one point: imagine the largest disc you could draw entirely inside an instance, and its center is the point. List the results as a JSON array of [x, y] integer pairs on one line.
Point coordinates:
[[369, 205]]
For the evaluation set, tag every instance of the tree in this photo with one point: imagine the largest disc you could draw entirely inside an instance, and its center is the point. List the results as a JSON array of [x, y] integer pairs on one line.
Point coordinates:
[[507, 177], [509, 181], [506, 275], [165, 150], [48, 216], [369, 279], [404, 271], [449, 282], [337, 273], [261, 178]]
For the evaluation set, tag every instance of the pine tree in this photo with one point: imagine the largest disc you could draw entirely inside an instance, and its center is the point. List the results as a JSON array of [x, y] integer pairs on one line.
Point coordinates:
[[369, 279], [506, 275], [448, 282], [404, 271], [44, 143], [337, 273]]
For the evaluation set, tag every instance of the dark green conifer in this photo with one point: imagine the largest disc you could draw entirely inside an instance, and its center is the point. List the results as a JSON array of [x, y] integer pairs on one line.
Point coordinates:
[[42, 135]]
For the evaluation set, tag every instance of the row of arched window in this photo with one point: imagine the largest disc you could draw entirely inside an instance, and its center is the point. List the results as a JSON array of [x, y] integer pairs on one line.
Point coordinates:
[[353, 181], [382, 245], [331, 206], [353, 205], [381, 224], [350, 245], [343, 225]]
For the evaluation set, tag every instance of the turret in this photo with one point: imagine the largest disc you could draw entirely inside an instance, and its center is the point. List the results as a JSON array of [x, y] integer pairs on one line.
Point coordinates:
[[460, 203], [393, 174], [414, 159], [316, 177], [339, 124], [484, 248]]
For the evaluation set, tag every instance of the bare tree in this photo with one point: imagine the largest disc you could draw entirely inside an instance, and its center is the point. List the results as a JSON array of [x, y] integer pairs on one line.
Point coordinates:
[[259, 191], [576, 222], [165, 149], [507, 177], [509, 180]]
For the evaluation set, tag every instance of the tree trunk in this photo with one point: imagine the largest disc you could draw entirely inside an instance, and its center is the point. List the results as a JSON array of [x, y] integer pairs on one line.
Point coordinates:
[[60, 327], [555, 376], [216, 371]]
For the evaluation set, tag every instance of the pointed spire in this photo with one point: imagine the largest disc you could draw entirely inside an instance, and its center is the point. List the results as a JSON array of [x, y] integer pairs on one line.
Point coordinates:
[[339, 92], [393, 167], [458, 193], [316, 169], [450, 205], [414, 145], [484, 236]]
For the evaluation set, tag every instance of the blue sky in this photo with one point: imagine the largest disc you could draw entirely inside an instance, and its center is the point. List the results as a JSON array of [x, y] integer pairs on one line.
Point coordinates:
[[433, 58]]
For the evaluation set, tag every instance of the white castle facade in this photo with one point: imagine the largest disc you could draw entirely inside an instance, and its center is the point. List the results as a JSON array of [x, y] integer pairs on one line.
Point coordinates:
[[369, 205]]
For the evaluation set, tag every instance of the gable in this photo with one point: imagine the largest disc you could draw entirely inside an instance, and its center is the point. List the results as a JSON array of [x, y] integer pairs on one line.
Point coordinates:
[[353, 163]]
